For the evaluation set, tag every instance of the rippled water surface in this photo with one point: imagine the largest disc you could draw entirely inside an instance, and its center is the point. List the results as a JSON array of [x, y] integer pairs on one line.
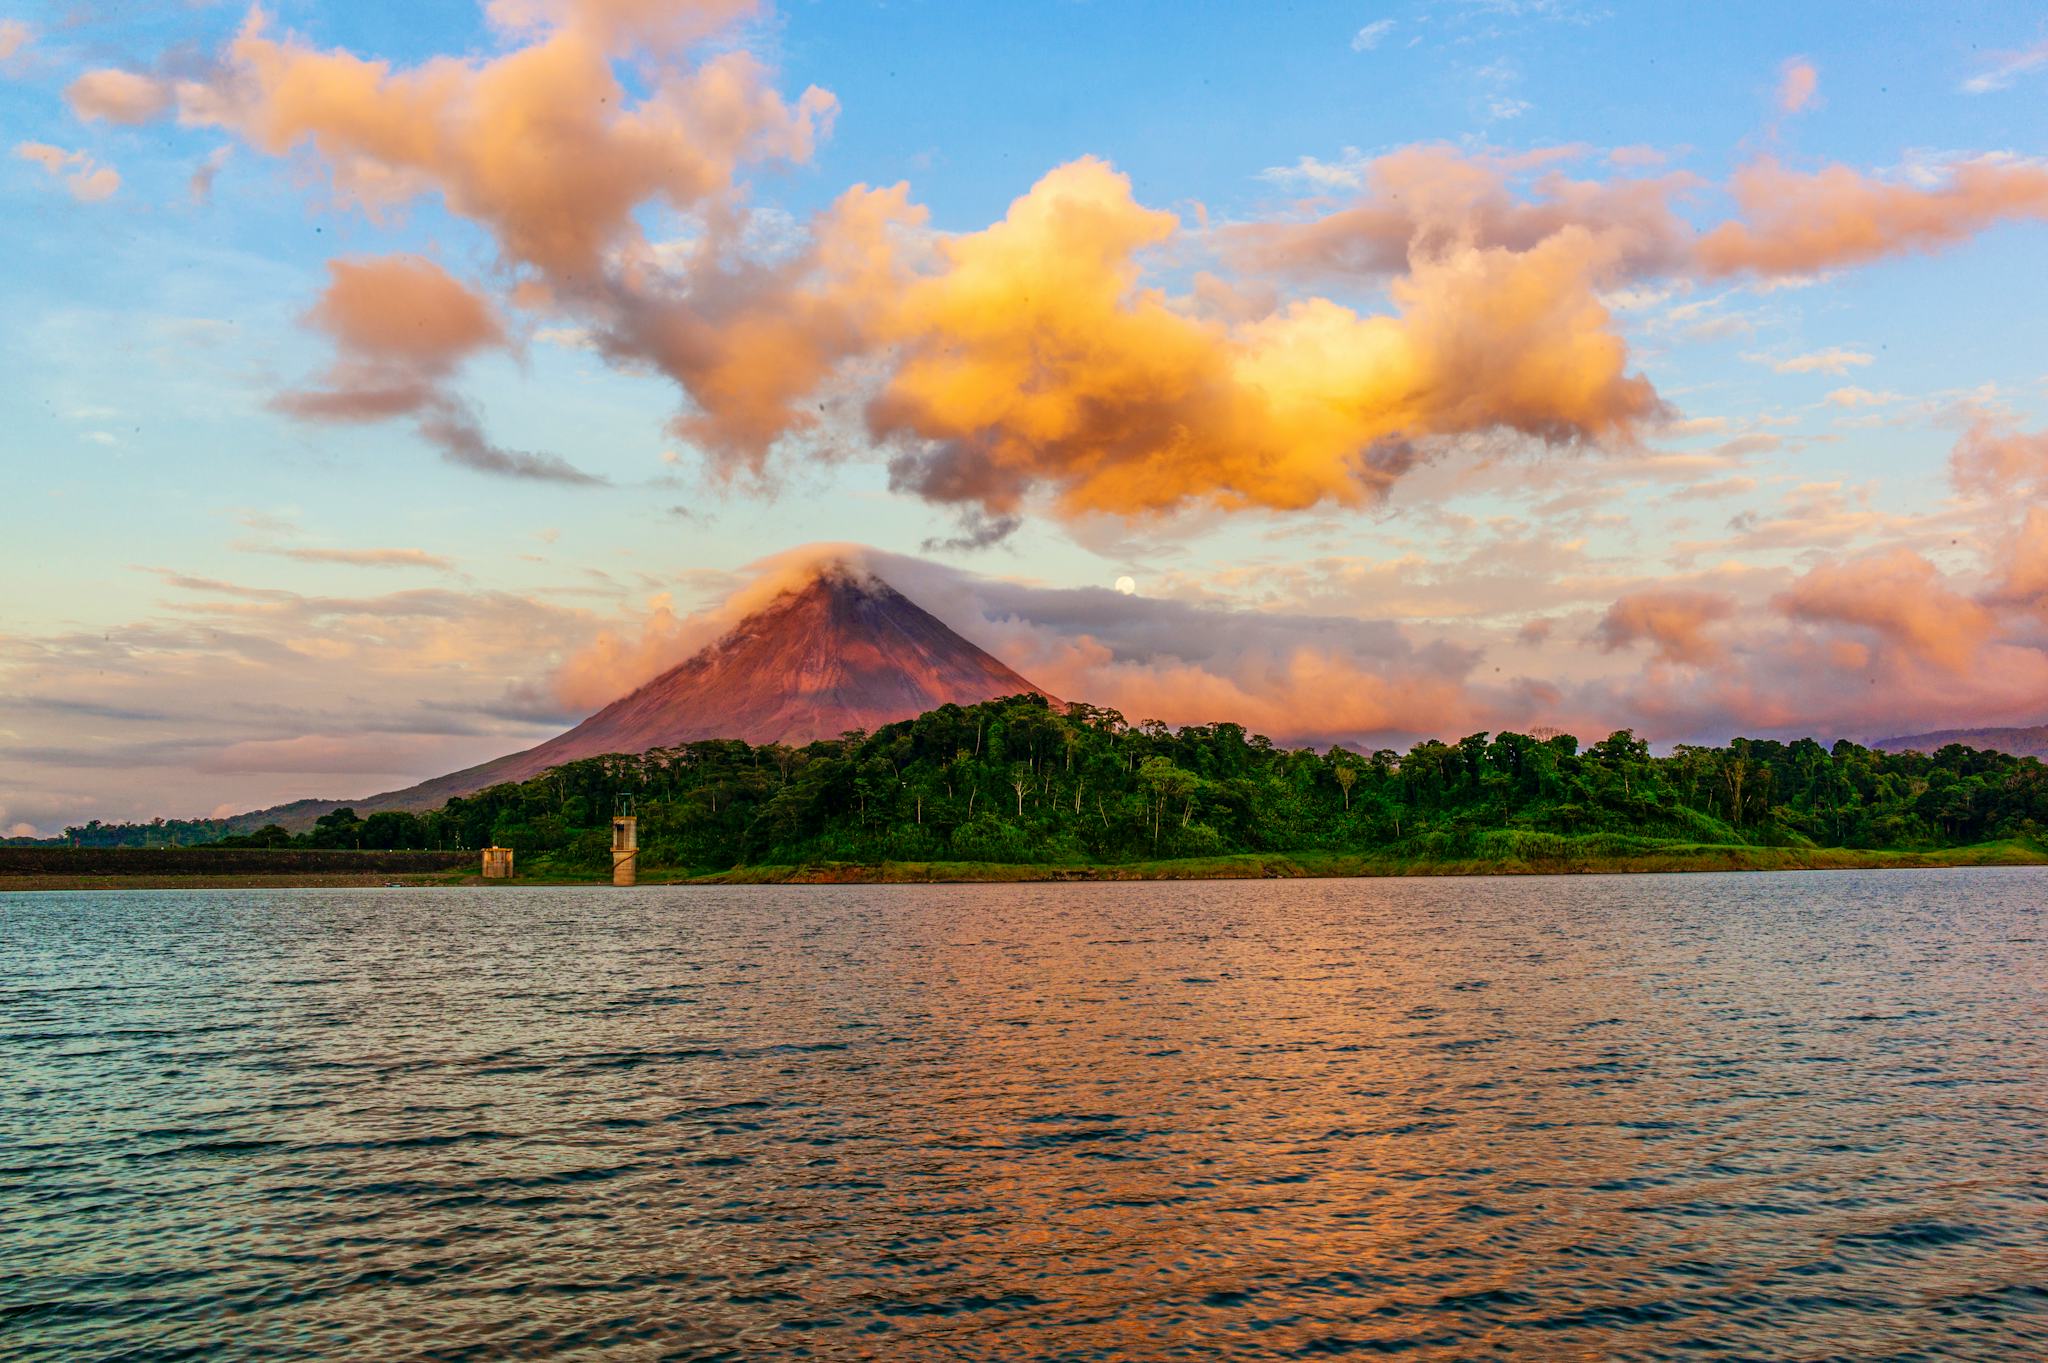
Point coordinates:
[[1791, 1117]]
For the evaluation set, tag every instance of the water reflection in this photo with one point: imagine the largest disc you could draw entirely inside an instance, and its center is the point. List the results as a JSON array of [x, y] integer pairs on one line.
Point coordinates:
[[1786, 1117]]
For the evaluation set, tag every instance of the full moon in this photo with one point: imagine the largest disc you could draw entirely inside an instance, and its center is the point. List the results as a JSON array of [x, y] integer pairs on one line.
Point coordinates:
[[1127, 585]]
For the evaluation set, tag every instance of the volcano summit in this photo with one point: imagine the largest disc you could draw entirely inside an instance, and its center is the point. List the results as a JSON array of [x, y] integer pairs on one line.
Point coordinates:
[[842, 650]]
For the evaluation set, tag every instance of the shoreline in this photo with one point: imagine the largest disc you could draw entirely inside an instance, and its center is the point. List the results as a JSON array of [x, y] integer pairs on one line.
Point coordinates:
[[1337, 866], [1250, 866], [309, 880]]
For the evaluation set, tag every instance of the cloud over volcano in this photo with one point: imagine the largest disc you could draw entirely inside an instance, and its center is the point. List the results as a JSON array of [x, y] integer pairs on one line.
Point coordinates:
[[1045, 360]]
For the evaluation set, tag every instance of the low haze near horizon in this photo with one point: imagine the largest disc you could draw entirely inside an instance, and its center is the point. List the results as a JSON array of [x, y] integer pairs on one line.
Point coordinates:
[[389, 385]]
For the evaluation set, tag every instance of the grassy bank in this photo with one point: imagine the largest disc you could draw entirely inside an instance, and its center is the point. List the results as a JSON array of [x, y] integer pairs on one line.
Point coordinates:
[[1649, 859], [1497, 854], [1600, 854]]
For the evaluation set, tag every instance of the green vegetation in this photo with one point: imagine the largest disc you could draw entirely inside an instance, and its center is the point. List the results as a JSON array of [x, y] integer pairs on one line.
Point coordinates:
[[155, 833], [995, 790], [1576, 856]]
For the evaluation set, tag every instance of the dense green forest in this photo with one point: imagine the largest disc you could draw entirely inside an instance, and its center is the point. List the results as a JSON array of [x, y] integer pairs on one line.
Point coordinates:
[[155, 833], [1015, 781]]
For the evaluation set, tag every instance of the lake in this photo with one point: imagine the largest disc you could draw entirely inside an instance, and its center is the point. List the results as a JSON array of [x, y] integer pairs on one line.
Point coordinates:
[[1782, 1117]]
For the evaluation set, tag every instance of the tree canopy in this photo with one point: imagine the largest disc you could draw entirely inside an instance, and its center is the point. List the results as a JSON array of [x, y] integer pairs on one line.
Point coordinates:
[[1014, 780]]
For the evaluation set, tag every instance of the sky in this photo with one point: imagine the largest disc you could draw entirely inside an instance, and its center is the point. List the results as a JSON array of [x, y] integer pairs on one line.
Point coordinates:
[[387, 387]]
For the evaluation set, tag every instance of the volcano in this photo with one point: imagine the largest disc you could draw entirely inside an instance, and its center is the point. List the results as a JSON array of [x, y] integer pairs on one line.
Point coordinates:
[[2027, 742], [844, 650]]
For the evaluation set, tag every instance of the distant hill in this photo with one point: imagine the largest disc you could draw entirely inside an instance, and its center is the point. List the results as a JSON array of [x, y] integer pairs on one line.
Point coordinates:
[[2031, 742], [845, 650]]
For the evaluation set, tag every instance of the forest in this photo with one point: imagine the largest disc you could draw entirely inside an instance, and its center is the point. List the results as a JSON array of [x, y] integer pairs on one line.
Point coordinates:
[[1014, 781]]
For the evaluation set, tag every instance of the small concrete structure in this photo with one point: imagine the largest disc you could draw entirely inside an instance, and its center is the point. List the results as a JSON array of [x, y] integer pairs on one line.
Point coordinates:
[[625, 849], [497, 863]]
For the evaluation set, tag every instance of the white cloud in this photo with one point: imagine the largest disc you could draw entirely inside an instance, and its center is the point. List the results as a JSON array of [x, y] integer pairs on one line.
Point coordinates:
[[569, 338], [1700, 425], [1836, 360], [1861, 397], [2010, 67], [1346, 172], [1499, 80], [1372, 35]]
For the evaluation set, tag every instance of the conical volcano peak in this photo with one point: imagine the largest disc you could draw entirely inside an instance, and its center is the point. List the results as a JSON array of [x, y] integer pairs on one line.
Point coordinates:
[[839, 577], [821, 646], [844, 573], [834, 648], [810, 572], [840, 603], [839, 648], [836, 571]]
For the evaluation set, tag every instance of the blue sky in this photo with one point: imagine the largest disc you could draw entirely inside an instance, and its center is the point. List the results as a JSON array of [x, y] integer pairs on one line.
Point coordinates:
[[161, 498]]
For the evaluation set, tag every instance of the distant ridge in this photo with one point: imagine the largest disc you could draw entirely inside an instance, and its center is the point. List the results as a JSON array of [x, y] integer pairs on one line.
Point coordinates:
[[2028, 742], [844, 650]]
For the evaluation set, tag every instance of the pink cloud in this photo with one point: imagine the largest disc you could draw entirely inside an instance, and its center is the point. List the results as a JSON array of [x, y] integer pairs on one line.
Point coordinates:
[[1797, 222], [401, 325], [117, 96], [1673, 620], [1798, 83], [2021, 565], [1994, 459], [86, 179], [1898, 596], [15, 37]]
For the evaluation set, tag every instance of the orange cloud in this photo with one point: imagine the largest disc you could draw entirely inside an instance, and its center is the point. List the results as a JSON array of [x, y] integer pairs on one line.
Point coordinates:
[[118, 96], [1899, 596], [1674, 620], [401, 325], [85, 178], [1025, 356], [1799, 223], [542, 145], [1032, 356], [752, 342], [547, 150], [15, 36], [619, 659], [405, 308]]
